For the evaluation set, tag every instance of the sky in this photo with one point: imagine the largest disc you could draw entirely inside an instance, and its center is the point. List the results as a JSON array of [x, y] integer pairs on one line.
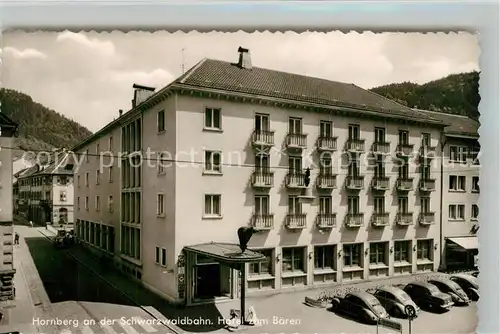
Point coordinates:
[[88, 77]]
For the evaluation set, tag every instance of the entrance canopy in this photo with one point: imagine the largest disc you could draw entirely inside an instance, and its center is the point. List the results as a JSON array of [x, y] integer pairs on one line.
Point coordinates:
[[226, 253], [467, 243]]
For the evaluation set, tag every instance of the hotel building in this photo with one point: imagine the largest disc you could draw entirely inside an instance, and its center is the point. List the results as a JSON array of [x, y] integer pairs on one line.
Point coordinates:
[[250, 134]]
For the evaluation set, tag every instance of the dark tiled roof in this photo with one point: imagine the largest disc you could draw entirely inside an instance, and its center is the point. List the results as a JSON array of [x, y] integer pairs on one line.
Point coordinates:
[[62, 164], [6, 121], [221, 75], [457, 124]]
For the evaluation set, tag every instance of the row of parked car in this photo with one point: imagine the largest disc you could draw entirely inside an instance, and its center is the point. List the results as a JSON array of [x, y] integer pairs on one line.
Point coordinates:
[[434, 294]]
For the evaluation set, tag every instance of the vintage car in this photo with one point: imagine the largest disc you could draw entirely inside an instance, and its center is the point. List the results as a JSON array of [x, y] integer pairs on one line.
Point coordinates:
[[468, 283], [394, 300], [451, 288], [427, 295], [360, 305]]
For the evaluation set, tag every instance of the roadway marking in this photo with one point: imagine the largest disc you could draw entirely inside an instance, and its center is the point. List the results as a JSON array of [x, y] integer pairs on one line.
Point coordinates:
[[128, 328], [144, 324], [108, 329], [87, 330]]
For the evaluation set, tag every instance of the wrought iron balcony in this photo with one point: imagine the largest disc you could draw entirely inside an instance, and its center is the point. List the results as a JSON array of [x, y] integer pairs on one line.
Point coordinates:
[[380, 183], [427, 152], [427, 185], [380, 219], [263, 178], [404, 184], [296, 141], [355, 145], [295, 180], [426, 218], [381, 148], [327, 144], [296, 220], [326, 181], [405, 150], [326, 220], [354, 219], [404, 218], [354, 182], [263, 138], [263, 221]]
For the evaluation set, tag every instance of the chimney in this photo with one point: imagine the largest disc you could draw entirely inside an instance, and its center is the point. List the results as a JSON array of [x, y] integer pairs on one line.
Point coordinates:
[[120, 112], [245, 60], [141, 94]]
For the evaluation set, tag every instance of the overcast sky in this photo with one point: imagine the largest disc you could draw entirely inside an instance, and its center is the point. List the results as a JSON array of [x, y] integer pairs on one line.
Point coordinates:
[[89, 76]]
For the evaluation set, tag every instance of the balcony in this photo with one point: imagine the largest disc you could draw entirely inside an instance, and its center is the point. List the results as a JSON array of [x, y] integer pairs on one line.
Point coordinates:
[[380, 183], [327, 144], [426, 218], [295, 180], [404, 219], [296, 221], [404, 184], [427, 185], [355, 145], [380, 219], [405, 150], [262, 179], [427, 152], [326, 181], [354, 219], [263, 138], [326, 220], [354, 182], [296, 141], [381, 148], [263, 221]]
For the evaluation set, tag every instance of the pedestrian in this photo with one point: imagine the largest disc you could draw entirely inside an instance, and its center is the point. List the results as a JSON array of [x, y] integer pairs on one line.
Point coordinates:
[[16, 239], [31, 223]]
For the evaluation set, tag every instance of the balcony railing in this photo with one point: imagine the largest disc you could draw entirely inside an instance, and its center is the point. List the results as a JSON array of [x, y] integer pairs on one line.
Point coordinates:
[[263, 221], [326, 181], [427, 151], [295, 180], [355, 145], [381, 148], [296, 140], [326, 220], [404, 218], [354, 219], [380, 183], [327, 144], [354, 182], [263, 179], [263, 138], [405, 150], [427, 185], [380, 219], [296, 220], [404, 184], [426, 218]]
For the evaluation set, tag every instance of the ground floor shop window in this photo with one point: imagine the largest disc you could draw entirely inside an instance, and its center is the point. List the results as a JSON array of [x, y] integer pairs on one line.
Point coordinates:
[[352, 255], [324, 264], [378, 253], [261, 274], [402, 251], [293, 259], [424, 255]]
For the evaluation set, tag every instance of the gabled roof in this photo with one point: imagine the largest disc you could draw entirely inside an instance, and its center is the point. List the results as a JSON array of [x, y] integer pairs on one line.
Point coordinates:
[[27, 172], [63, 165], [458, 125]]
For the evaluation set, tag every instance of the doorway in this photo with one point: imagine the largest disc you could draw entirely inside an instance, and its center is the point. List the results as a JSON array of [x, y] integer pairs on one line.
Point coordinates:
[[211, 279]]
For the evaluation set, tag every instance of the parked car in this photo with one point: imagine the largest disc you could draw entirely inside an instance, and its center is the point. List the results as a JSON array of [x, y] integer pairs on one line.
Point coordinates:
[[360, 305], [468, 283], [394, 300], [451, 288], [425, 294]]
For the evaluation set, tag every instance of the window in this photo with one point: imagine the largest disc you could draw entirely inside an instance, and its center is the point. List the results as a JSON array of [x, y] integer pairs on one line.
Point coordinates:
[[402, 251], [157, 255], [379, 135], [425, 204], [325, 129], [474, 155], [212, 118], [354, 132], [87, 155], [265, 267], [87, 203], [63, 215], [457, 183], [293, 259], [353, 205], [97, 177], [163, 257], [326, 164], [110, 144], [161, 163], [379, 171], [111, 207], [324, 257], [352, 255], [404, 172], [425, 172], [456, 212], [294, 125], [404, 137], [294, 205], [62, 196], [213, 161], [424, 249], [426, 140], [262, 163], [110, 174], [87, 179], [295, 165], [78, 203], [213, 205], [97, 149], [97, 203], [353, 169], [160, 205], [474, 211], [403, 204], [160, 121], [325, 205], [262, 123], [378, 252], [262, 205], [458, 153], [78, 181], [379, 204], [475, 184]]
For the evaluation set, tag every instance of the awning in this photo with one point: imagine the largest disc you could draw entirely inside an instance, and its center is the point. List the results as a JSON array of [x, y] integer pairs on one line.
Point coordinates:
[[226, 252], [466, 242]]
